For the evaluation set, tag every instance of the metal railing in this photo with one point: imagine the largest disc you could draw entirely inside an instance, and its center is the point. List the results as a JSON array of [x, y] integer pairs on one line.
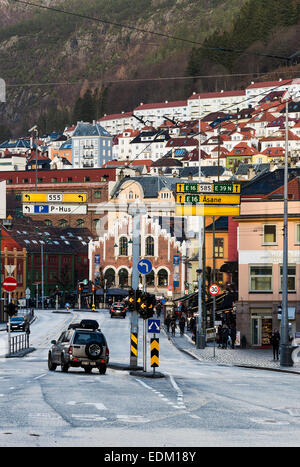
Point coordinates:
[[17, 343]]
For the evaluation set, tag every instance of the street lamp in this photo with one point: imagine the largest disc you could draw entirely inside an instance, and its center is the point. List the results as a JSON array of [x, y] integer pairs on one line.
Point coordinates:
[[285, 348]]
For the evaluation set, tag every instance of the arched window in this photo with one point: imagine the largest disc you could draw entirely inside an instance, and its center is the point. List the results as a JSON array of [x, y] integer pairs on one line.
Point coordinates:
[[109, 277], [149, 246], [123, 246], [80, 222], [48, 222], [162, 278], [130, 196], [123, 277], [150, 279], [63, 223]]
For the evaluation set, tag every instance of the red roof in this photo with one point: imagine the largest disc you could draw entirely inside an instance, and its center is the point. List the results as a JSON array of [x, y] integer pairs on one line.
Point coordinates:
[[242, 149], [115, 116], [162, 105], [269, 84], [211, 95]]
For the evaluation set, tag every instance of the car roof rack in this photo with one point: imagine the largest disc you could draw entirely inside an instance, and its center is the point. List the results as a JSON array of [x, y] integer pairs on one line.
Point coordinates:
[[85, 324]]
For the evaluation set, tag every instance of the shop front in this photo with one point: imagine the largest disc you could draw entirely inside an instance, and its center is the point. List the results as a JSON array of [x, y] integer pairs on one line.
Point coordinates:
[[261, 328]]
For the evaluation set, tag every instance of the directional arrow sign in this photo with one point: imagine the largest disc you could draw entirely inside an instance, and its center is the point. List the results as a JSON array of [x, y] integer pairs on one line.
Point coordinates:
[[144, 266], [154, 325]]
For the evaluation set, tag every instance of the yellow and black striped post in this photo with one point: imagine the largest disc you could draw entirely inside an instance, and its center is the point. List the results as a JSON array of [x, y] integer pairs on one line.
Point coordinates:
[[133, 345], [154, 348]]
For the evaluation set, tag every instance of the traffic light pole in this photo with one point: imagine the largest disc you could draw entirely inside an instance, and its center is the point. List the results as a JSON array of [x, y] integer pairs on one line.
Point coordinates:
[[135, 211]]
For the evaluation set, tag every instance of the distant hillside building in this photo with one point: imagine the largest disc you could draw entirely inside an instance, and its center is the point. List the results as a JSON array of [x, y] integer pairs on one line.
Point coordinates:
[[91, 145]]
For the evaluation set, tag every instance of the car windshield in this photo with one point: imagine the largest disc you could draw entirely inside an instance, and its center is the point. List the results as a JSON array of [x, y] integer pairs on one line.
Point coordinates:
[[17, 319], [118, 308], [83, 338]]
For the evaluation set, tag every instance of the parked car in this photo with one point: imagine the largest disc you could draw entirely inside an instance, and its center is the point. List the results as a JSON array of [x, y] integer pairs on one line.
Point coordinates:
[[118, 309], [18, 323], [81, 345]]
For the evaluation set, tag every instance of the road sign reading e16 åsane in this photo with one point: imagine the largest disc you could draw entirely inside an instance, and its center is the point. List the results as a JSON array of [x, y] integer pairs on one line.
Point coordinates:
[[208, 199]]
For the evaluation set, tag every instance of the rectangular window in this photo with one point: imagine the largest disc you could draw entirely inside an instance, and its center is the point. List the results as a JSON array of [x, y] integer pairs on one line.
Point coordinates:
[[291, 280], [219, 247], [269, 234], [297, 234], [260, 278]]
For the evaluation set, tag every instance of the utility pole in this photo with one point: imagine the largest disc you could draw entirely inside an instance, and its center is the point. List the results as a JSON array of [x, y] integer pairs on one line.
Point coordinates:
[[200, 337], [285, 349], [136, 211]]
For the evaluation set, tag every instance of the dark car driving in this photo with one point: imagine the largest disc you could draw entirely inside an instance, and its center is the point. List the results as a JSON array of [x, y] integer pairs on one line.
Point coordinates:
[[17, 323]]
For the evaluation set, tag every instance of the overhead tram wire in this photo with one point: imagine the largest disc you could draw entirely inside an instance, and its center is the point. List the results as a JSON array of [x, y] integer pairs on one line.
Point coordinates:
[[137, 80], [145, 31]]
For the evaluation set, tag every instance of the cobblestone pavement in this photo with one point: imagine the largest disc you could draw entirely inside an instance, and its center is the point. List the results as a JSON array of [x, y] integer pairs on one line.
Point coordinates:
[[256, 358]]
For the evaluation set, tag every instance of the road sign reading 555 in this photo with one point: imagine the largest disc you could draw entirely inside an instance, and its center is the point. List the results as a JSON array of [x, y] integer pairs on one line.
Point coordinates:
[[214, 289]]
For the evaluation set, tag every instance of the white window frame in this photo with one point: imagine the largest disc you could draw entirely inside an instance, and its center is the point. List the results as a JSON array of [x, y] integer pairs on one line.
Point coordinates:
[[267, 275], [289, 275], [297, 234], [264, 241]]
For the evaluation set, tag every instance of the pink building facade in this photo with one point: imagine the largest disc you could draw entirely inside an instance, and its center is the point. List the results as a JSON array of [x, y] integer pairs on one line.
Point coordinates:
[[260, 255]]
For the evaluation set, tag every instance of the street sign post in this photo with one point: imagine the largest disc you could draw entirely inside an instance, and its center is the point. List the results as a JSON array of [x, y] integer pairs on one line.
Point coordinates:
[[54, 209], [208, 199], [214, 289], [144, 266], [9, 284], [154, 325], [54, 198], [207, 210]]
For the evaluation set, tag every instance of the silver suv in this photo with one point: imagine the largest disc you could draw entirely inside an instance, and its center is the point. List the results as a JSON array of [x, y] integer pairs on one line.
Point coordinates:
[[81, 345]]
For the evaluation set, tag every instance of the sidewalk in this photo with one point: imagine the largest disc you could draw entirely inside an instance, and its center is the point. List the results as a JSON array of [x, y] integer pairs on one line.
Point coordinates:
[[249, 358]]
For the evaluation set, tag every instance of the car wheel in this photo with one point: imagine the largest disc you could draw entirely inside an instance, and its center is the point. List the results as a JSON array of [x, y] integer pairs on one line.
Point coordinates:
[[51, 366], [93, 350], [102, 369], [64, 365]]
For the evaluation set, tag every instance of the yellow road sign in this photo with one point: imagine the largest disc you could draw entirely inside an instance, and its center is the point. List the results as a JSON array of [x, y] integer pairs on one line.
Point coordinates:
[[74, 198], [54, 197], [34, 197], [207, 210], [208, 199]]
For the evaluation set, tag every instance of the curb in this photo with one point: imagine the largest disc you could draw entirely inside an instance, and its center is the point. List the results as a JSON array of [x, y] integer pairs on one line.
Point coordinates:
[[147, 374], [21, 353], [124, 367], [238, 365]]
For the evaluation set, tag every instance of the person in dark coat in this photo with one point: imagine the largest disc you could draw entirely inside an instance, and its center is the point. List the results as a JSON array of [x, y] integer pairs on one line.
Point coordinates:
[[168, 322], [173, 325], [233, 336], [225, 334], [275, 342], [181, 325], [219, 338]]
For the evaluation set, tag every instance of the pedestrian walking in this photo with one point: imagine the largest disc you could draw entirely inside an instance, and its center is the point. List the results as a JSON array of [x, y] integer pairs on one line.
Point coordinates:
[[173, 326], [158, 309], [181, 324], [275, 341], [168, 322], [193, 328], [233, 336], [225, 334], [219, 336]]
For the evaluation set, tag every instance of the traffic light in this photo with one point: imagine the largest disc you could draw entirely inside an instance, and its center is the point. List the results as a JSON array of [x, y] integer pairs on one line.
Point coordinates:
[[131, 300], [56, 290], [147, 304], [143, 306], [151, 302]]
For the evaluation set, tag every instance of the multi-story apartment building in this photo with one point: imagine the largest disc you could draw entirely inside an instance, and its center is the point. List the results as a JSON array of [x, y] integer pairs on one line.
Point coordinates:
[[91, 145]]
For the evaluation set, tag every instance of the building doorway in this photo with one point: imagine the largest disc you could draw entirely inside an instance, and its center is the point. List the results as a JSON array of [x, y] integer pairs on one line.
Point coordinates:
[[261, 331]]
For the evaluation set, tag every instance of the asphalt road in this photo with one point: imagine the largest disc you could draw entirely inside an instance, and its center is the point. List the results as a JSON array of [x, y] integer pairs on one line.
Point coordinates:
[[196, 404]]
